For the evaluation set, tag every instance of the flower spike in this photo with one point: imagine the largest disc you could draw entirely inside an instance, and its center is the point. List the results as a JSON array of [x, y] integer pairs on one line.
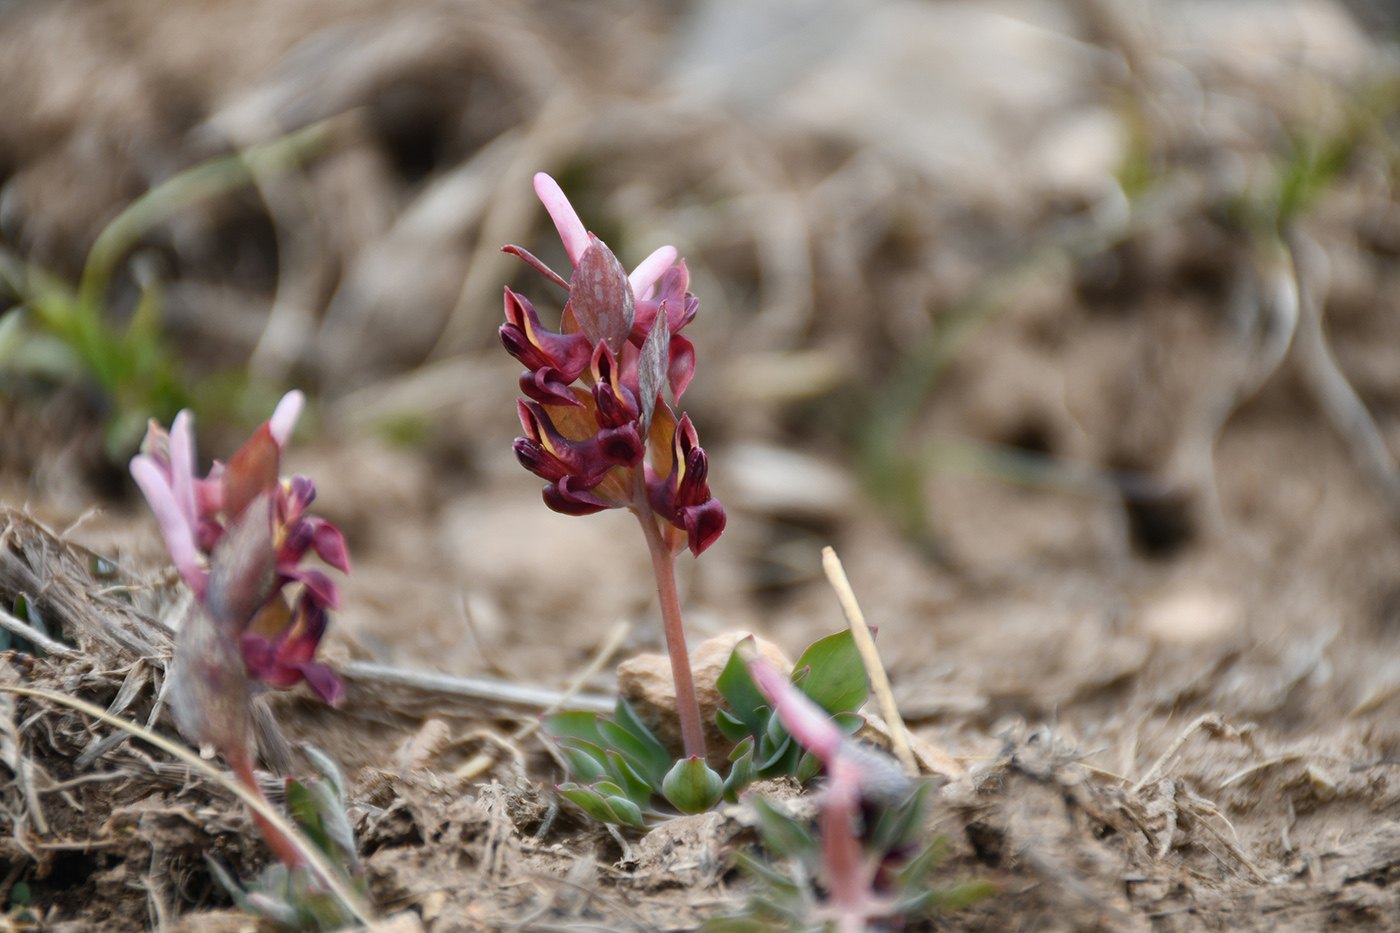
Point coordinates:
[[613, 441], [197, 516]]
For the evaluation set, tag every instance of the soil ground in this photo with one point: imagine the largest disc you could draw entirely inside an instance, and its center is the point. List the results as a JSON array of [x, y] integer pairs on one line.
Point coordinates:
[[1116, 282]]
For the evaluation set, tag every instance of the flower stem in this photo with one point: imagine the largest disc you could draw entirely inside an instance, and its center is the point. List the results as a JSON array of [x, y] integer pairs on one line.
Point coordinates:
[[282, 847], [663, 564]]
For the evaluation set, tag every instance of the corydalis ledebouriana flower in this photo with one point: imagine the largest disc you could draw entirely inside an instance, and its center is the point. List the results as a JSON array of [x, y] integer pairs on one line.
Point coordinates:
[[853, 773], [593, 413], [242, 585]]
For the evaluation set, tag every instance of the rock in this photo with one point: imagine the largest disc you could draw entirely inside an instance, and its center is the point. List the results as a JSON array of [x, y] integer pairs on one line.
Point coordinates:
[[687, 850], [1193, 615], [645, 682]]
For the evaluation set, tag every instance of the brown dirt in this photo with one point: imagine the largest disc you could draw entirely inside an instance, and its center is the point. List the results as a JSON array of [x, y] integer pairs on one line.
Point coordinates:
[[1166, 655]]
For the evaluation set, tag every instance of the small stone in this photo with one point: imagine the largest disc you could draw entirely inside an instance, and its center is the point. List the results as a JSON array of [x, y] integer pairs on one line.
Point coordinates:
[[645, 682], [1192, 616]]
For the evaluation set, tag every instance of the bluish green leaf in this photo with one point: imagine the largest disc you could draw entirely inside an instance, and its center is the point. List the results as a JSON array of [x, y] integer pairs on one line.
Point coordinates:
[[914, 874], [740, 692], [807, 767], [276, 910], [334, 821], [782, 760], [626, 716], [775, 732], [943, 900], [328, 767], [635, 788], [227, 882], [587, 763], [589, 800], [837, 679], [783, 836], [639, 755], [302, 807], [607, 789], [574, 724], [730, 727], [761, 870], [849, 723], [741, 772], [692, 786], [626, 812], [894, 828]]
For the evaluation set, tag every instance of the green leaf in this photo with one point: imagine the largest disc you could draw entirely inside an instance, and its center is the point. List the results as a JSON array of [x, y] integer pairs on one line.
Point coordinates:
[[302, 806], [334, 822], [781, 834], [941, 900], [589, 800], [587, 762], [762, 871], [782, 760], [607, 789], [626, 812], [574, 724], [328, 768], [914, 874], [692, 786], [741, 772], [807, 767], [637, 789], [837, 680], [627, 718], [740, 924], [730, 727], [227, 882], [741, 693], [896, 827], [849, 723], [604, 802], [775, 732], [276, 910], [641, 756]]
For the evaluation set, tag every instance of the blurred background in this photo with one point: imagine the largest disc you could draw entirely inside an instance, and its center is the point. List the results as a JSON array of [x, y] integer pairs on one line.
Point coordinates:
[[1071, 323]]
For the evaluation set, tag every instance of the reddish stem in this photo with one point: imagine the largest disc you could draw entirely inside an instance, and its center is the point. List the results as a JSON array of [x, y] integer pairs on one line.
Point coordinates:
[[663, 564], [277, 841]]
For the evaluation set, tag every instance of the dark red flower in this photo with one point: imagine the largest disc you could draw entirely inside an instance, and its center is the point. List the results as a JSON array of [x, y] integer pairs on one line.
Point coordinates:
[[594, 412]]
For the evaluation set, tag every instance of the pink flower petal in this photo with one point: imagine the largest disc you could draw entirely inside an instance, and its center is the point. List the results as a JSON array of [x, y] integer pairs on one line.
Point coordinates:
[[323, 683], [285, 415], [571, 229], [182, 465], [809, 724], [645, 276], [178, 533]]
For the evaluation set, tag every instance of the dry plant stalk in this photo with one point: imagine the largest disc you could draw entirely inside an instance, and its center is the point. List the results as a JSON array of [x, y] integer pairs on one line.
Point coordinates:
[[865, 643]]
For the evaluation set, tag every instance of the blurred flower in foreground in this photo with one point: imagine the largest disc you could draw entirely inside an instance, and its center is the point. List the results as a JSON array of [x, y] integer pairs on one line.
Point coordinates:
[[849, 874], [237, 537], [872, 859], [277, 640], [596, 425]]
